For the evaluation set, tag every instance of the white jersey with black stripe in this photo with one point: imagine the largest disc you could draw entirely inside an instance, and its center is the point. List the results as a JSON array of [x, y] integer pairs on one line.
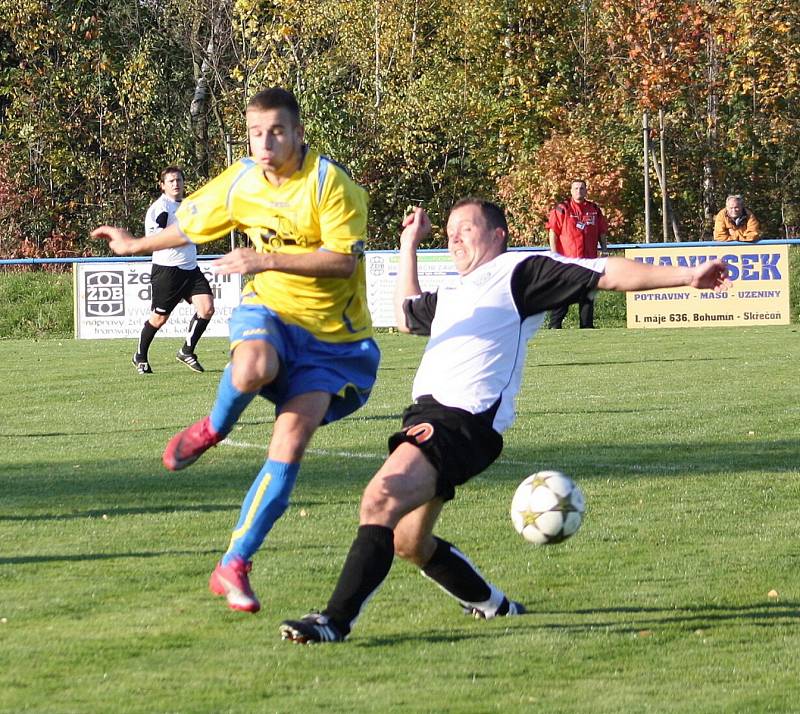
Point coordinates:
[[480, 324], [160, 215]]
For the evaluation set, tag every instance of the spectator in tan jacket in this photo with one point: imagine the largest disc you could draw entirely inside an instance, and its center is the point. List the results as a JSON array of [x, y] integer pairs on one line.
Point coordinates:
[[735, 222]]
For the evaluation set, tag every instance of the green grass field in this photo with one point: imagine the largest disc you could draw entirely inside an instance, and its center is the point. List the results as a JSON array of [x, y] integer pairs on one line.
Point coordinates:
[[685, 443]]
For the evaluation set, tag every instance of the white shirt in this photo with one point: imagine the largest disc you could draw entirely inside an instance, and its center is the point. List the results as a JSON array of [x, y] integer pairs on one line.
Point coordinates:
[[160, 215], [480, 324]]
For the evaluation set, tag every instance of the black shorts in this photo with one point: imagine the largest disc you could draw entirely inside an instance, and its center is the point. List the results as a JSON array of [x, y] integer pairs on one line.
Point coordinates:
[[458, 444], [170, 285]]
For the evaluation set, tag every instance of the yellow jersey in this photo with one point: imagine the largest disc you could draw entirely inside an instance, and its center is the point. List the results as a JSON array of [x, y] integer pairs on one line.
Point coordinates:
[[318, 208]]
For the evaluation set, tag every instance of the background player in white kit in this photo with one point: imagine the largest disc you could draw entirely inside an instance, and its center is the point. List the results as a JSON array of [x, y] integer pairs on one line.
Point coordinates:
[[174, 277]]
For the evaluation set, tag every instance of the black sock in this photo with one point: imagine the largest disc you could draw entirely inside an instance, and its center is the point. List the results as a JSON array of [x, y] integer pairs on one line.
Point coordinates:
[[145, 338], [367, 565], [197, 326], [452, 571]]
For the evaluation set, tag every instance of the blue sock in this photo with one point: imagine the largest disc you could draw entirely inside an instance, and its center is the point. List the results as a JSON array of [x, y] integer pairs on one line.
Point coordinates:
[[264, 504], [229, 405]]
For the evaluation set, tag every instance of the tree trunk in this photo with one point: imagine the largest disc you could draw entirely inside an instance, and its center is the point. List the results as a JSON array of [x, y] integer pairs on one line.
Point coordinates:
[[676, 232], [198, 111], [709, 183]]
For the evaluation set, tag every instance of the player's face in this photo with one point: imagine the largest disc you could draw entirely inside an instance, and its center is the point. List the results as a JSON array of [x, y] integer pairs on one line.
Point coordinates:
[[172, 186], [578, 191], [276, 142], [470, 241]]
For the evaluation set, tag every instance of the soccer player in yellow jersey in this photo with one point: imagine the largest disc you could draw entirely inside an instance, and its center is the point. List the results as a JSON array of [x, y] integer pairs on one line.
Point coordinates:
[[302, 336]]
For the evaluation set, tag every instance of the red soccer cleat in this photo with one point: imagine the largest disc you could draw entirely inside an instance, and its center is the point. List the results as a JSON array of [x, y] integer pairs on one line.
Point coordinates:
[[187, 446], [231, 581]]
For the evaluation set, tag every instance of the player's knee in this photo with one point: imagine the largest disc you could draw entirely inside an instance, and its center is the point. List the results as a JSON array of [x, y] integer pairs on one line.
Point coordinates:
[[206, 314], [252, 374], [372, 509], [379, 506], [158, 321], [410, 549]]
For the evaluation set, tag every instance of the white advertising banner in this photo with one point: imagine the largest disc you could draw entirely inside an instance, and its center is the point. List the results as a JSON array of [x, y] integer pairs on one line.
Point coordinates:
[[113, 300], [433, 269]]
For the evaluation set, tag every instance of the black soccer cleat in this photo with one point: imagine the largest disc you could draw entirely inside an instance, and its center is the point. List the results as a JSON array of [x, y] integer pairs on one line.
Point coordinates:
[[142, 365], [311, 629], [506, 609], [190, 360]]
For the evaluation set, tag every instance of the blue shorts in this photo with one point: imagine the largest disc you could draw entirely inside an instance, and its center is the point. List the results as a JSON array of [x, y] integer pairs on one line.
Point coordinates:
[[345, 370]]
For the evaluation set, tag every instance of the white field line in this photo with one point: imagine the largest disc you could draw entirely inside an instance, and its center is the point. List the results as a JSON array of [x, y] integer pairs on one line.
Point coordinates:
[[502, 462]]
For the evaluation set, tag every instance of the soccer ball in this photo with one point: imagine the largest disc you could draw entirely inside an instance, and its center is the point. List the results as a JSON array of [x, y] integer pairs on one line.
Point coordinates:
[[547, 508]]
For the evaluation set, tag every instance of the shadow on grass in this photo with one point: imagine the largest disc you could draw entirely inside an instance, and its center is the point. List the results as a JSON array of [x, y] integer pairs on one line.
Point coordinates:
[[126, 483], [103, 432], [394, 417], [113, 513], [641, 621], [432, 638], [119, 512], [81, 557], [637, 460], [644, 620], [169, 430], [610, 363]]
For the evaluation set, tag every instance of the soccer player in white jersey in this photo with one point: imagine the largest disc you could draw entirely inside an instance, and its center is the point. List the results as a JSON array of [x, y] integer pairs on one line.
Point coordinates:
[[302, 336], [174, 277], [463, 395]]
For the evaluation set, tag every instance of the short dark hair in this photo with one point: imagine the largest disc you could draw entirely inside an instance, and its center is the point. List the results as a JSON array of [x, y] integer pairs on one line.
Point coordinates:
[[170, 170], [275, 98], [577, 180], [494, 216]]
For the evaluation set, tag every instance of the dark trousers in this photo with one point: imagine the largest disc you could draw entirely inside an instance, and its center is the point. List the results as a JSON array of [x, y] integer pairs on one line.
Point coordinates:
[[586, 308]]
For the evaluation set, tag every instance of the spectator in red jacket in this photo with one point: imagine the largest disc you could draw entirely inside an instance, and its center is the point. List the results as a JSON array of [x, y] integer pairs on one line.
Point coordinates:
[[575, 227]]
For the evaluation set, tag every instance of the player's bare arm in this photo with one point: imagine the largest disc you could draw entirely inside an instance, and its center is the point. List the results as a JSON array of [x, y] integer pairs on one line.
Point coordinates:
[[122, 242], [622, 275], [319, 264], [416, 225]]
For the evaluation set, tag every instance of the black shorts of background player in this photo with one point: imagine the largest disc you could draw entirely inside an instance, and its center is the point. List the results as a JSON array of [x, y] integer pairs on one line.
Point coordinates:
[[174, 277]]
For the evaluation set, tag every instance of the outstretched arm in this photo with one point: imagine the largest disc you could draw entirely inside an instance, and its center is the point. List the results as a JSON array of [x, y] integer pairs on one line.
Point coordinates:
[[623, 275], [122, 242], [319, 264], [416, 225]]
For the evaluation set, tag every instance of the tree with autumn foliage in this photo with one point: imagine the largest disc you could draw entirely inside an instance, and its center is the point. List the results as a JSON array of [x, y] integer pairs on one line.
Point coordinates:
[[424, 100], [88, 115], [661, 60], [758, 120], [531, 190]]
